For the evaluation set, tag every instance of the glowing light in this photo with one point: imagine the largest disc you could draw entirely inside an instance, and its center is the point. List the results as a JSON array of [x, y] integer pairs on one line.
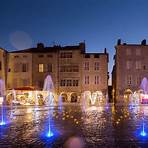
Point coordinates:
[[2, 123], [143, 133], [49, 134]]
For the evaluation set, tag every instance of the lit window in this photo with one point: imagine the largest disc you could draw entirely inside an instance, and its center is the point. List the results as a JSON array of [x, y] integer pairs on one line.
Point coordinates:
[[96, 65], [41, 68]]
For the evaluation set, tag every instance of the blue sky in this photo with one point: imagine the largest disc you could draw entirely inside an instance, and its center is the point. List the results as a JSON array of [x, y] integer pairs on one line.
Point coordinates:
[[24, 23]]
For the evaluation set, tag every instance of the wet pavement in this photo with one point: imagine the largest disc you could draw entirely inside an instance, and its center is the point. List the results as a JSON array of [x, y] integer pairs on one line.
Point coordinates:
[[103, 126]]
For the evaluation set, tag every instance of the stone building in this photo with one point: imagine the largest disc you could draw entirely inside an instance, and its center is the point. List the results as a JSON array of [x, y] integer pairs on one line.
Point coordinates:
[[130, 68], [73, 71], [3, 64]]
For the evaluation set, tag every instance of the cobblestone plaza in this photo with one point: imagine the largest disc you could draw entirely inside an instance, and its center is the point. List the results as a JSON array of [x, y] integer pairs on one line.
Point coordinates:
[[102, 126]]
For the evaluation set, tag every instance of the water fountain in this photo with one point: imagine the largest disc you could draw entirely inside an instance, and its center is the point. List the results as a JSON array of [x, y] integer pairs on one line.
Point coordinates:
[[49, 87], [2, 94], [60, 102], [144, 85], [93, 99], [144, 88], [143, 133]]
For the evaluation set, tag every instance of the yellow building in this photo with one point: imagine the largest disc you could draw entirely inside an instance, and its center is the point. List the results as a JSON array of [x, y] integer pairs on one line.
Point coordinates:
[[73, 71]]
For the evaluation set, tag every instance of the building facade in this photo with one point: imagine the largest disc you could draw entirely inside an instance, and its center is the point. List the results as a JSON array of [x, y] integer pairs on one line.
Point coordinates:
[[3, 64], [73, 71], [130, 67]]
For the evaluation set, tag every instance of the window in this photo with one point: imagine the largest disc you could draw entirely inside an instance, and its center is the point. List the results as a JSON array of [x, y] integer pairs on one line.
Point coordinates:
[[75, 68], [128, 51], [87, 56], [16, 56], [96, 79], [69, 83], [96, 56], [66, 55], [69, 68], [41, 68], [75, 82], [144, 67], [138, 51], [24, 56], [138, 64], [96, 65], [86, 66], [86, 81], [62, 83], [49, 67], [128, 64], [129, 79], [41, 56], [138, 80], [16, 67], [24, 67], [49, 56], [0, 65]]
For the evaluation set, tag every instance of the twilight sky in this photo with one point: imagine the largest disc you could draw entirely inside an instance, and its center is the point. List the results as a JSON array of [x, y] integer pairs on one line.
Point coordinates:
[[100, 23]]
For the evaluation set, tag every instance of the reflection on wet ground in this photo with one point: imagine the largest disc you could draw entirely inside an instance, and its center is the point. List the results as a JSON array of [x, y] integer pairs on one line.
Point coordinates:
[[103, 126]]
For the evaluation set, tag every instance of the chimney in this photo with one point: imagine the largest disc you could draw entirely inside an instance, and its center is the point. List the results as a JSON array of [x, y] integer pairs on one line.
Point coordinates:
[[40, 45], [105, 50], [143, 42], [119, 42], [82, 47]]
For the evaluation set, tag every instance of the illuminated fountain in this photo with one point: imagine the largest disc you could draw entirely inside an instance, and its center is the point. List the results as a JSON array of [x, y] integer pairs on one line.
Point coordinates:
[[89, 98], [135, 98], [144, 88], [143, 133], [140, 96], [60, 102], [49, 87], [2, 94]]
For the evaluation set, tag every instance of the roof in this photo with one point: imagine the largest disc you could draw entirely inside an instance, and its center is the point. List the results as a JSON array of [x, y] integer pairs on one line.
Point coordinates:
[[41, 49]]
